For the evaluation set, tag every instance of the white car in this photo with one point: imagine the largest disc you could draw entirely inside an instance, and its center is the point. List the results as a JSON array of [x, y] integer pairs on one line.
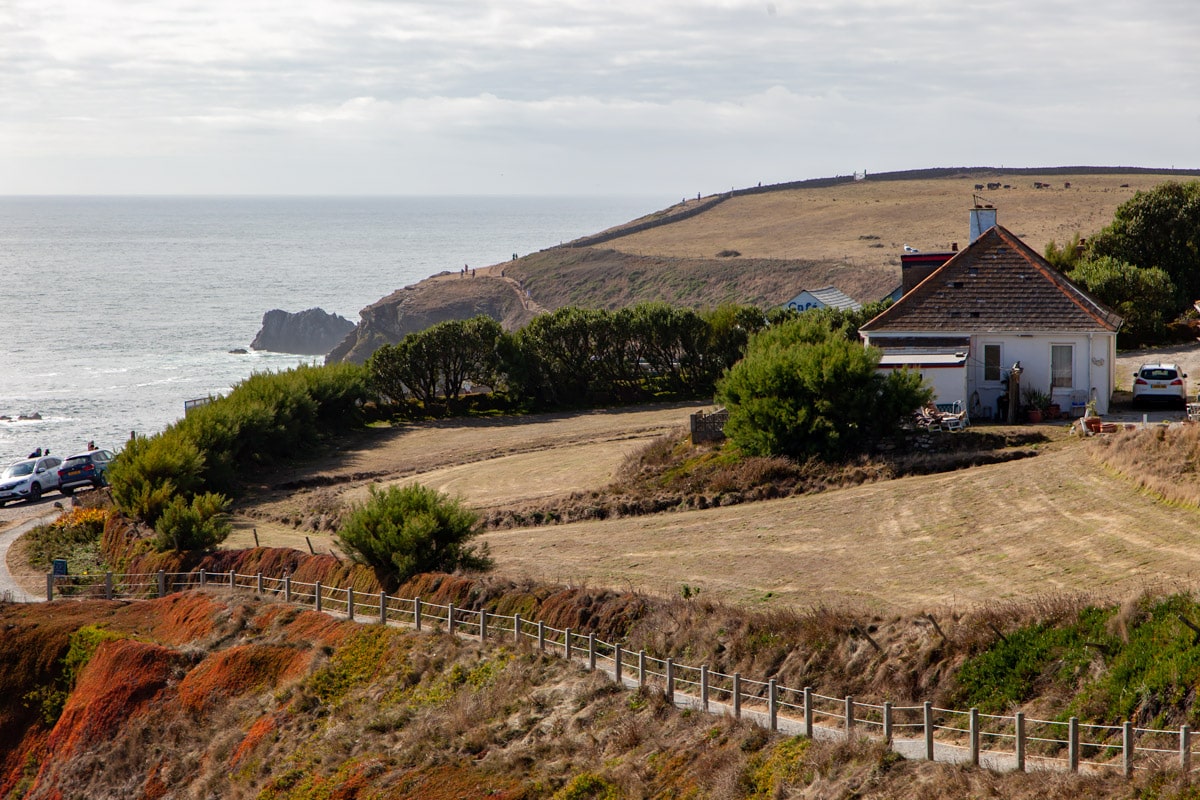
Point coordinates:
[[29, 479], [1165, 383]]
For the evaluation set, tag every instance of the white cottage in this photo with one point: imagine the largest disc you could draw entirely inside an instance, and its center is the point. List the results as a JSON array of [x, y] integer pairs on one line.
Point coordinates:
[[994, 304]]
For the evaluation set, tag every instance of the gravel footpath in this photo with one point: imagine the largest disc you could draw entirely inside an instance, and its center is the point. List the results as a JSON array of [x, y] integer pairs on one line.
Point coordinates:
[[10, 590]]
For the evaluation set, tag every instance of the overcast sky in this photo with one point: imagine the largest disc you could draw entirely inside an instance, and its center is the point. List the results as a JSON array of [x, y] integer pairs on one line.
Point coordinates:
[[630, 97]]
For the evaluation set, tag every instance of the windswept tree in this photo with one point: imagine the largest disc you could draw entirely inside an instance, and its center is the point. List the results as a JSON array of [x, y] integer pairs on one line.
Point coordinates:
[[1158, 228], [805, 390], [1145, 298]]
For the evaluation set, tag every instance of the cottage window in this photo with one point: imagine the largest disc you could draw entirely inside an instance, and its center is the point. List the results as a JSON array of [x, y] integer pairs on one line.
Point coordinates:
[[1062, 357], [991, 362]]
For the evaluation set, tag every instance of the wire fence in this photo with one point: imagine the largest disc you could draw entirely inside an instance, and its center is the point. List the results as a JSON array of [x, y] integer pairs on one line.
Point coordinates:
[[1006, 742]]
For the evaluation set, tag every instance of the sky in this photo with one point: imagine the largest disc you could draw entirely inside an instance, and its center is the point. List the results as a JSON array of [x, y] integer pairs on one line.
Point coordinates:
[[580, 97]]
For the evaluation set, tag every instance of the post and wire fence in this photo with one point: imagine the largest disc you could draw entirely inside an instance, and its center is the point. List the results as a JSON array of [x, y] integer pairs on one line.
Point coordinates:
[[1002, 742]]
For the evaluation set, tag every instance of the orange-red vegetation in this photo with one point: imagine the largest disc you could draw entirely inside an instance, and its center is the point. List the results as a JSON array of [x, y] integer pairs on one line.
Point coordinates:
[[183, 618], [121, 680], [453, 781], [263, 727], [240, 670]]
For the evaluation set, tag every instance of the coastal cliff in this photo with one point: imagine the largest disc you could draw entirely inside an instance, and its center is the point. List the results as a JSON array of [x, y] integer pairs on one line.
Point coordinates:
[[762, 245], [437, 299]]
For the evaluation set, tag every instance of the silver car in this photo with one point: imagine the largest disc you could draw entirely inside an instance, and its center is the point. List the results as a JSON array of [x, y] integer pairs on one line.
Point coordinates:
[[29, 479]]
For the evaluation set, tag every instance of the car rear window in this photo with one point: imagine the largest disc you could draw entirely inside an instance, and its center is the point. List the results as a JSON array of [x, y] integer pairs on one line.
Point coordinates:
[[81, 461], [1159, 374]]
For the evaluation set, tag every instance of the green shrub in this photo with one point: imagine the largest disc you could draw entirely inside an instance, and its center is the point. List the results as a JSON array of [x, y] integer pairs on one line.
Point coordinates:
[[805, 390], [149, 471], [402, 531], [198, 525]]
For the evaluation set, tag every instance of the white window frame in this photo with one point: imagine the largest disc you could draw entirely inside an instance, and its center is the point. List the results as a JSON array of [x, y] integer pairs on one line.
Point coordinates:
[[1070, 365]]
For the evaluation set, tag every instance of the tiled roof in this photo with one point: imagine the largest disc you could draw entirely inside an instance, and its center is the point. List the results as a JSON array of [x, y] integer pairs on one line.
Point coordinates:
[[835, 298], [997, 284]]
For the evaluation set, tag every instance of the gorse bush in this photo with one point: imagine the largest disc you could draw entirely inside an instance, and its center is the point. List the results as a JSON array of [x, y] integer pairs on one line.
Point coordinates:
[[74, 536], [268, 417], [149, 471], [198, 525], [401, 531]]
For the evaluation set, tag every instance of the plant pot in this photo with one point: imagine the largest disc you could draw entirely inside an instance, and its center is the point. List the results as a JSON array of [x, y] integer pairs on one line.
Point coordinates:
[[1034, 415], [1092, 424], [1054, 411]]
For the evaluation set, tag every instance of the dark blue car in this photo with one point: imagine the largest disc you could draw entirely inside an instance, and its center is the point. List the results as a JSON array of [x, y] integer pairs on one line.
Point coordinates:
[[84, 469]]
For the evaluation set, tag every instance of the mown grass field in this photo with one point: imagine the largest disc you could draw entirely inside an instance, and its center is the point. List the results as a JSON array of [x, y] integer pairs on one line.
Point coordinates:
[[1058, 522]]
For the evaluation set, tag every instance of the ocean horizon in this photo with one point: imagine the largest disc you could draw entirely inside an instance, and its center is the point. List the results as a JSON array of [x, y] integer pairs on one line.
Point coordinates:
[[119, 309]]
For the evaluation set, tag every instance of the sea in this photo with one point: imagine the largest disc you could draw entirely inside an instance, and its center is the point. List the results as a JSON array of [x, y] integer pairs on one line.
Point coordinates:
[[117, 310]]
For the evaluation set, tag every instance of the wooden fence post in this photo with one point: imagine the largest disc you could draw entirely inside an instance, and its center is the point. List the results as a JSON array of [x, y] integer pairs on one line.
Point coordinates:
[[641, 668], [1019, 723], [849, 716], [383, 608], [1127, 748], [772, 706], [670, 690], [287, 588], [50, 587], [450, 618], [808, 712], [704, 686], [203, 577], [887, 722], [483, 624], [317, 596], [617, 665], [350, 603], [737, 695], [927, 708], [516, 628], [1185, 749], [162, 583], [259, 584], [1073, 744], [417, 613], [591, 652], [541, 636], [973, 731], [108, 586], [232, 582], [567, 644]]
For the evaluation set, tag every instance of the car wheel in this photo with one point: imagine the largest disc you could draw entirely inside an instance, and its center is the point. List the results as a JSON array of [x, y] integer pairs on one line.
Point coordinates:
[[35, 492], [2, 502], [67, 491]]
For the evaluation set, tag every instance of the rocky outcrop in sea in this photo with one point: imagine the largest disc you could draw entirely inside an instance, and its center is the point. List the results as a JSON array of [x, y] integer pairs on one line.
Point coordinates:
[[311, 332]]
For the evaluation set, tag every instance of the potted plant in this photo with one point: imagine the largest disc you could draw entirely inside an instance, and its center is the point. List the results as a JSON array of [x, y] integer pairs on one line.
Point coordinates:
[[1036, 403], [1091, 420]]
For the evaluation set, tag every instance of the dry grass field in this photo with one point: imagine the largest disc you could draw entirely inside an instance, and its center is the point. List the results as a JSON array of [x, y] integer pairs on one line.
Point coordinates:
[[1058, 522], [866, 224]]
